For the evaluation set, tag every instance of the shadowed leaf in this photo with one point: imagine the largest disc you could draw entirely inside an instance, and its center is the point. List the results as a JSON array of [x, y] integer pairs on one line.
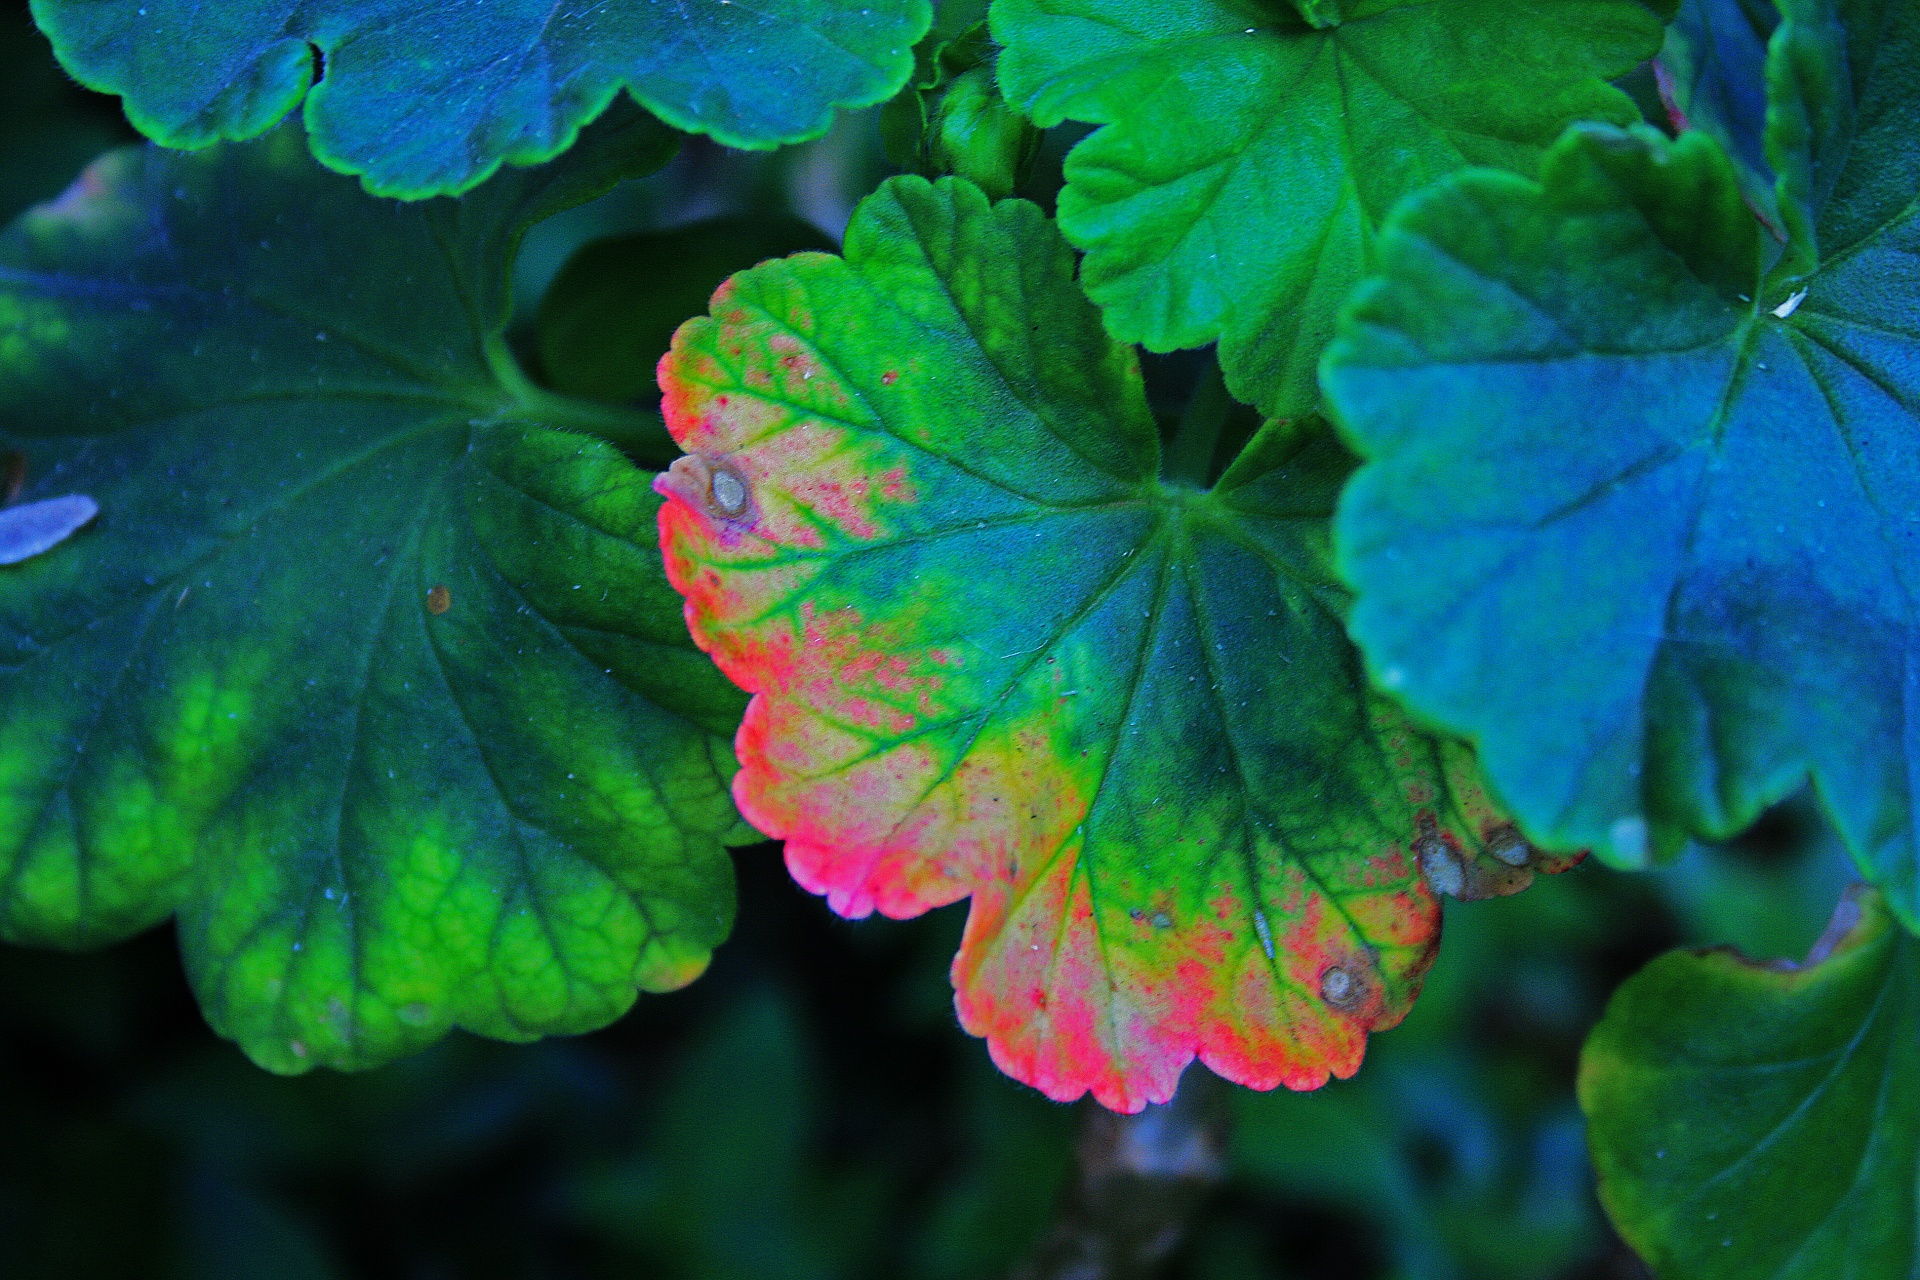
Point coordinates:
[[366, 670], [1760, 1120]]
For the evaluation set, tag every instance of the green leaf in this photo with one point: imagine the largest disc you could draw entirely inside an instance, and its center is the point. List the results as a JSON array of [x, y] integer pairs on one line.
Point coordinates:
[[610, 314], [429, 99], [1319, 13], [994, 654], [974, 134], [1842, 120], [1713, 76], [1649, 544], [365, 670], [952, 118], [1760, 1120], [1247, 158]]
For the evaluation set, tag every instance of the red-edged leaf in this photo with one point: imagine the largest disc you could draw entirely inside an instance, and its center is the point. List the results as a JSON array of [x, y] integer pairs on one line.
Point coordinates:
[[995, 655]]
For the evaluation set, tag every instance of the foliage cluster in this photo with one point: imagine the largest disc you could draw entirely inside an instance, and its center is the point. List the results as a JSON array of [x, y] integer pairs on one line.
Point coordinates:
[[1517, 459]]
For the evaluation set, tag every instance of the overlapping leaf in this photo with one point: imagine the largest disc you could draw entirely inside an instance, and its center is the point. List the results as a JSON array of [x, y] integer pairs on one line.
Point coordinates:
[[995, 655], [365, 669], [1651, 541], [1247, 157], [1843, 124], [1713, 77], [429, 99], [1760, 1120]]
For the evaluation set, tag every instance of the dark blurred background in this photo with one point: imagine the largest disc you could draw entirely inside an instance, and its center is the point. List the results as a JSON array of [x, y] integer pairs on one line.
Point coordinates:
[[810, 1109]]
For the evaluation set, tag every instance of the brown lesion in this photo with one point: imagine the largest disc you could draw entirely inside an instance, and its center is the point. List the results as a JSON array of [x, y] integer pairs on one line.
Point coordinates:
[[1503, 864], [712, 485], [1342, 988]]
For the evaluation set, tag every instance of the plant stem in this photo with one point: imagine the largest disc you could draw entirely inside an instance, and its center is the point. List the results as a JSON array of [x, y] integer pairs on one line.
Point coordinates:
[[639, 433], [1140, 1180], [1189, 455]]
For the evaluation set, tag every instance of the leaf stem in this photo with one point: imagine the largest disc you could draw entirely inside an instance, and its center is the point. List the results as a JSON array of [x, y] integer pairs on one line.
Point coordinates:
[[637, 432], [1189, 454], [1141, 1181]]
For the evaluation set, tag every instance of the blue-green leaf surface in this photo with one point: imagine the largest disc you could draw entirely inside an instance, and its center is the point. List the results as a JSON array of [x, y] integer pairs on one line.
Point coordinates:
[[1648, 534], [429, 98], [1843, 114]]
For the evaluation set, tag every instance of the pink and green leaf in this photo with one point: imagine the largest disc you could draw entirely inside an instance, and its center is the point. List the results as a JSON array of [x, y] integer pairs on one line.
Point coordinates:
[[995, 655]]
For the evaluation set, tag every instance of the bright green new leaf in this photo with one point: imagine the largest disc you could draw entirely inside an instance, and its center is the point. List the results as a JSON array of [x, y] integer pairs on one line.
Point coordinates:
[[1760, 1120], [952, 118], [429, 98], [610, 314], [1247, 157], [364, 669], [1649, 543], [996, 654]]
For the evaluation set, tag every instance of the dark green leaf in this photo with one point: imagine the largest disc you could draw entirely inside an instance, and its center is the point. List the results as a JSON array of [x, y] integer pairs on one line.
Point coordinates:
[[366, 670], [429, 98], [1651, 545], [610, 314], [1713, 75], [1247, 158], [1842, 121], [1760, 1120]]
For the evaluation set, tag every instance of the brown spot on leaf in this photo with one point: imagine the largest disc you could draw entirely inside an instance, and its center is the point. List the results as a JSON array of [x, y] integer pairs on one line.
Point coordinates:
[[439, 600], [1339, 988], [1509, 846], [1438, 860], [716, 487]]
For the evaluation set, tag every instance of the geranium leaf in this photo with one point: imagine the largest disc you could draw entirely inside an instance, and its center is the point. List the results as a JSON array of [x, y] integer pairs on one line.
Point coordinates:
[[1842, 119], [1760, 1120], [1247, 158], [1713, 76], [364, 669], [429, 99], [995, 655], [1646, 541]]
